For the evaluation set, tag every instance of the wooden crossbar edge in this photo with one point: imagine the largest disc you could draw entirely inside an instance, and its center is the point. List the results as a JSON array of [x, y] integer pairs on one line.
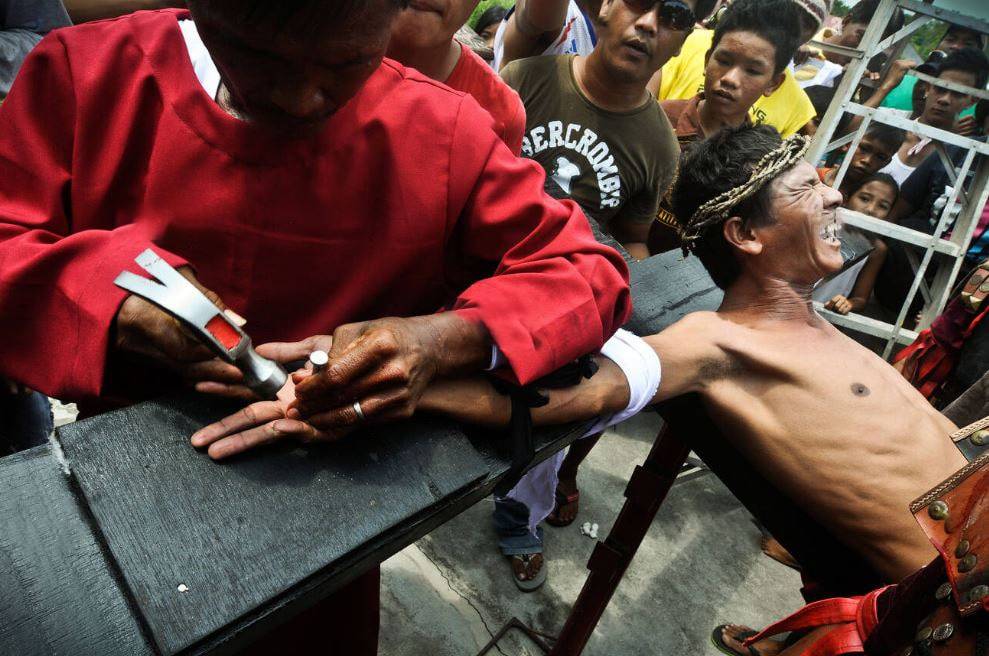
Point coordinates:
[[851, 53], [145, 546], [148, 547]]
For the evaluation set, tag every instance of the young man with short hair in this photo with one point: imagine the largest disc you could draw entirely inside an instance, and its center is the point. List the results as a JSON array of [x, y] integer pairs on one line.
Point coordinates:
[[423, 38], [968, 67], [956, 37], [592, 125]]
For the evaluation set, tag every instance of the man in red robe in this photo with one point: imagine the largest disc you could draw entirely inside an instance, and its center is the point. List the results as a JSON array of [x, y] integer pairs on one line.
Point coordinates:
[[270, 151]]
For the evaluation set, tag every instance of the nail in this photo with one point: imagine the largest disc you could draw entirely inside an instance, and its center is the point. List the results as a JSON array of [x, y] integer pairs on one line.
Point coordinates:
[[318, 360]]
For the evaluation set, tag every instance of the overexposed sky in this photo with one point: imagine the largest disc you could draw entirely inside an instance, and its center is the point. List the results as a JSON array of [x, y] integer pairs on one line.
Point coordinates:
[[977, 8]]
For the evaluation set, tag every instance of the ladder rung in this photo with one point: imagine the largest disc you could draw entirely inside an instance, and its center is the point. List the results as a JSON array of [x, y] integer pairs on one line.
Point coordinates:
[[889, 116], [947, 15], [954, 86], [852, 53], [898, 232], [866, 325]]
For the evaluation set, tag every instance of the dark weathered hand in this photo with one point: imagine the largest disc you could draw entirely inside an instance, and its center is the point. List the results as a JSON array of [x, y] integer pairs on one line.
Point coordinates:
[[385, 365], [145, 333]]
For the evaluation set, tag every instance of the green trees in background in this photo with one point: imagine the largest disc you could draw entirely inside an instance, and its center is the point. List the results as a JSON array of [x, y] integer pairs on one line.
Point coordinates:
[[483, 5]]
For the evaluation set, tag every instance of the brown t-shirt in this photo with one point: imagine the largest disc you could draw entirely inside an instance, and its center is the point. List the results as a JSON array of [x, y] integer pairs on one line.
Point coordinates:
[[685, 118], [616, 166]]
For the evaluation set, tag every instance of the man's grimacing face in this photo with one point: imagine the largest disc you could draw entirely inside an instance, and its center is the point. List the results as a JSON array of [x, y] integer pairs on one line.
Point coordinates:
[[801, 245], [292, 84]]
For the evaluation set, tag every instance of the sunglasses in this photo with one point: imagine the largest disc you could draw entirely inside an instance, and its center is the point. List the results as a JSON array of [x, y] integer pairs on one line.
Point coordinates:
[[673, 14]]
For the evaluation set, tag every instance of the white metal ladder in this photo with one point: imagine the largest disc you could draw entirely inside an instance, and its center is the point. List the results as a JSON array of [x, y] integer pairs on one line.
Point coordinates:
[[946, 254]]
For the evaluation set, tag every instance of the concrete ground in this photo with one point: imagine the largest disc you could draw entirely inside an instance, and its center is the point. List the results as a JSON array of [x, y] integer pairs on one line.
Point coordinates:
[[699, 566]]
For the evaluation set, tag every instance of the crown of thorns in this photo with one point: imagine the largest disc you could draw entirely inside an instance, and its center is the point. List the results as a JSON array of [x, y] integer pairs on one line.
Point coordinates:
[[719, 208]]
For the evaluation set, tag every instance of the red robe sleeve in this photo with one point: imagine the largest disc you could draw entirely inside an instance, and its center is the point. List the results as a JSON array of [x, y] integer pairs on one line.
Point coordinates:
[[556, 293], [57, 297]]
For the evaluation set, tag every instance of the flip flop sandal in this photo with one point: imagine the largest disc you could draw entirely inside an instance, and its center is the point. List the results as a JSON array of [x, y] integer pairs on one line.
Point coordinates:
[[530, 585], [561, 500], [719, 642]]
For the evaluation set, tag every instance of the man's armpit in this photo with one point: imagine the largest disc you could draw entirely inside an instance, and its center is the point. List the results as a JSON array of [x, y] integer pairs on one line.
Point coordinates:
[[714, 369]]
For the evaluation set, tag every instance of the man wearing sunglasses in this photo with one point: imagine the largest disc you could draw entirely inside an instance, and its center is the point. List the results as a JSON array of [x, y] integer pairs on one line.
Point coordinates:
[[605, 143], [561, 27]]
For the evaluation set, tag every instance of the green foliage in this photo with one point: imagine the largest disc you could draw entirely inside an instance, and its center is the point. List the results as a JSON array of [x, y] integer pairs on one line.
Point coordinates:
[[840, 8], [926, 38], [482, 7]]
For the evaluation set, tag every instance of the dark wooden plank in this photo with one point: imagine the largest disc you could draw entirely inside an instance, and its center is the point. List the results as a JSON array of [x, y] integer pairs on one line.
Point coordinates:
[[57, 592], [241, 534], [667, 287]]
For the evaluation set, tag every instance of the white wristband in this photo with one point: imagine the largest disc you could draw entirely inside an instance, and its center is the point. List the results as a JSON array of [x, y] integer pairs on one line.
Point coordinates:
[[641, 366]]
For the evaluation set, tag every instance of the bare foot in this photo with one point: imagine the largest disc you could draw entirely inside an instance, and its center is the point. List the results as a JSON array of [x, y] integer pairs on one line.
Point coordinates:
[[567, 503], [730, 636]]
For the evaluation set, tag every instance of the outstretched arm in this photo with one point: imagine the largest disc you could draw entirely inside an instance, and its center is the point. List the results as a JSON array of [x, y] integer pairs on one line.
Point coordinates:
[[689, 357], [532, 27]]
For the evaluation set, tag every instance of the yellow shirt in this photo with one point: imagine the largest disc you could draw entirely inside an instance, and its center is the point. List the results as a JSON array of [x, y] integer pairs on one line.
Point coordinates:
[[788, 109]]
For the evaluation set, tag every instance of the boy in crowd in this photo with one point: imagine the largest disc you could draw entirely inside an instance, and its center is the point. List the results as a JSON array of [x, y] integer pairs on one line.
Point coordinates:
[[788, 108], [422, 38], [877, 147], [851, 289], [488, 23], [919, 206], [605, 143], [752, 45]]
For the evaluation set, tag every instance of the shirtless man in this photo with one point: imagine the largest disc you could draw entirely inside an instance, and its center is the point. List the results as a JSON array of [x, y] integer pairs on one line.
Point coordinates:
[[822, 418]]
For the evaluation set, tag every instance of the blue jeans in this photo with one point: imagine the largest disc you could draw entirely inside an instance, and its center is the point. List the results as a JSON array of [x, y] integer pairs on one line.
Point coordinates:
[[25, 421], [511, 522]]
